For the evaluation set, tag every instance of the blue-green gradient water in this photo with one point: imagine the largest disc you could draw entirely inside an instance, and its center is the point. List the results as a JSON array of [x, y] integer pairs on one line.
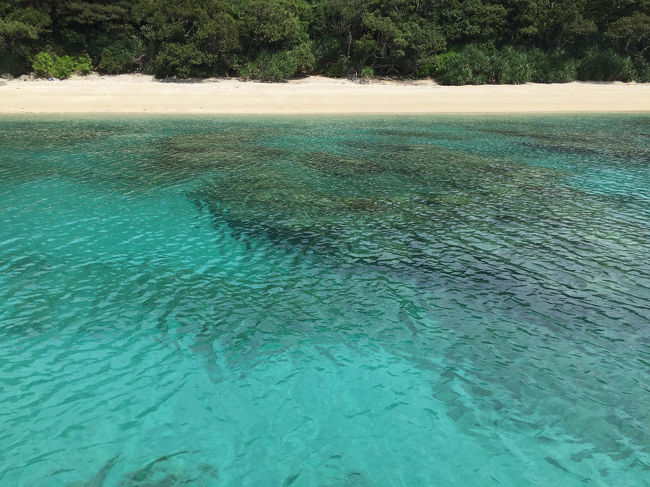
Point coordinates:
[[403, 301]]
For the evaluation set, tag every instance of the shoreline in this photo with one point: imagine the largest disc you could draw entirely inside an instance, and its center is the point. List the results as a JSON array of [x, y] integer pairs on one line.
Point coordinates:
[[140, 94]]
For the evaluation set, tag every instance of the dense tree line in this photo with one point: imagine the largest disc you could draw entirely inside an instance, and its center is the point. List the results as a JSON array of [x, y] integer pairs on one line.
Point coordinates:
[[455, 41]]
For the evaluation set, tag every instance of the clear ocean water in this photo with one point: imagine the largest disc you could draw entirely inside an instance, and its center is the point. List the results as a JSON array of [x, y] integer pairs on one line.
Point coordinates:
[[318, 301]]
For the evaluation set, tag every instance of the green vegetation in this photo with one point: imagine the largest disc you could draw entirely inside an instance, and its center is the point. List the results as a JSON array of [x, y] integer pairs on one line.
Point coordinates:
[[605, 65], [269, 66], [50, 65], [454, 41], [509, 65]]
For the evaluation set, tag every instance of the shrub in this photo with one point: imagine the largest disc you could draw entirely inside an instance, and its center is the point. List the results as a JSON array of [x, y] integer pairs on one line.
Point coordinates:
[[14, 60], [182, 60], [52, 66], [120, 57], [426, 69], [367, 72], [269, 66], [113, 60], [452, 68], [641, 68], [605, 65], [479, 65], [43, 64], [510, 66], [342, 67], [471, 65], [304, 58], [84, 64], [552, 66]]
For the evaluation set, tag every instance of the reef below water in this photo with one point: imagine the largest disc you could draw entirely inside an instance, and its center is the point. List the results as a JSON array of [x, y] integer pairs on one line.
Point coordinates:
[[430, 300]]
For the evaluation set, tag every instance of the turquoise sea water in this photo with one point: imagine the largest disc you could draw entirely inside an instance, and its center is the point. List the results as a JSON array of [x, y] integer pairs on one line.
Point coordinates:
[[353, 301]]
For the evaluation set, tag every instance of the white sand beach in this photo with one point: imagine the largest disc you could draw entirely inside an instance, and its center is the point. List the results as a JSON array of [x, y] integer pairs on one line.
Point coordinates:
[[135, 93]]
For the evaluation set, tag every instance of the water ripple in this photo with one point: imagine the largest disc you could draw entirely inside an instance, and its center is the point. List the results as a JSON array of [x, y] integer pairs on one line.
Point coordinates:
[[353, 301]]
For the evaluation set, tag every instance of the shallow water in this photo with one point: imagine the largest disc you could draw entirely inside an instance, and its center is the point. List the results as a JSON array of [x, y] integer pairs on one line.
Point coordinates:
[[353, 301]]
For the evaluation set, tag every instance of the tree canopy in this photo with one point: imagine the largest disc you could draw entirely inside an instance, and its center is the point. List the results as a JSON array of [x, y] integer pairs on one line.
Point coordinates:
[[456, 41]]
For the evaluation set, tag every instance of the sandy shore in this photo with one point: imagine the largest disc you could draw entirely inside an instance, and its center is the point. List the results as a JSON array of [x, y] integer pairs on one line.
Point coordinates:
[[313, 95]]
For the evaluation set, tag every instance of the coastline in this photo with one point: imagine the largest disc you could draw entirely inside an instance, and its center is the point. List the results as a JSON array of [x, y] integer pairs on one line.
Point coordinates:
[[140, 94]]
